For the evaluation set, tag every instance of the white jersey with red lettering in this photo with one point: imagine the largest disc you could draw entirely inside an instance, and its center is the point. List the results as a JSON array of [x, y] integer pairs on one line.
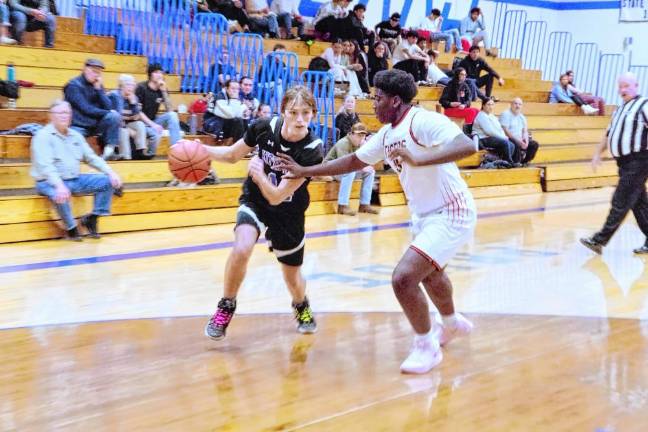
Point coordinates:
[[443, 210]]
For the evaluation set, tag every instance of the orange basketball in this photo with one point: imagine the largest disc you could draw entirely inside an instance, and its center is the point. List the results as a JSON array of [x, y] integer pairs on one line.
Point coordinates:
[[188, 161]]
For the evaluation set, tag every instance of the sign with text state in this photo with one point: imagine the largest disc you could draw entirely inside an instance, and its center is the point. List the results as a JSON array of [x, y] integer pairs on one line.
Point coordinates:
[[633, 10]]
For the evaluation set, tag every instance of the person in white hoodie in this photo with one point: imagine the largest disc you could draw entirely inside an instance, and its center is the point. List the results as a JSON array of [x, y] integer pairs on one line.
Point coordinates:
[[224, 116], [432, 25], [490, 133]]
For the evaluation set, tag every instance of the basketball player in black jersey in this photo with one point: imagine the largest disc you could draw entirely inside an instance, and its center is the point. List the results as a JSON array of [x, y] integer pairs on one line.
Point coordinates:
[[272, 204]]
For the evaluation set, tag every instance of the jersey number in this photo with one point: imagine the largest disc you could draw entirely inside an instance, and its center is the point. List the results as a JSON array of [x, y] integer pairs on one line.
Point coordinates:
[[275, 182]]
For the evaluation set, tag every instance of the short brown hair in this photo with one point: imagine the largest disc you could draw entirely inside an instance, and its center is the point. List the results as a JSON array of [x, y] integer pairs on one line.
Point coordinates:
[[298, 94]]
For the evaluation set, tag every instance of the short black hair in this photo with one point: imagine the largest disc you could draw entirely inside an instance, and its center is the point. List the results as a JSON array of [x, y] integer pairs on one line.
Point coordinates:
[[475, 9], [359, 6], [244, 77], [154, 68], [473, 48], [485, 101], [421, 38], [436, 12], [396, 82], [411, 33]]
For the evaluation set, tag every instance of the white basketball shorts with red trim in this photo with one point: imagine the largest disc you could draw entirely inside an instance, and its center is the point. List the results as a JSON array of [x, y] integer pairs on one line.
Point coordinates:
[[440, 234]]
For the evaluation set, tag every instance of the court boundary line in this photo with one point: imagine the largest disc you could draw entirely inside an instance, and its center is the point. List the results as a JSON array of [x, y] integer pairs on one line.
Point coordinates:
[[18, 268]]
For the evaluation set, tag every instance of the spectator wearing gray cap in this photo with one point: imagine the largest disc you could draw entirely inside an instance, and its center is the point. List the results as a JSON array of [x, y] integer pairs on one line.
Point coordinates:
[[32, 15], [92, 112]]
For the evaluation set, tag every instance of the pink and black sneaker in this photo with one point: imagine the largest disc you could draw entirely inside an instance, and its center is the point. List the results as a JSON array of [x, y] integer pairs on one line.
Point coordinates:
[[217, 325]]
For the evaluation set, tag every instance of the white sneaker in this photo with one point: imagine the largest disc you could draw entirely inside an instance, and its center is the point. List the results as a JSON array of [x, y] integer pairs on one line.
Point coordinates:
[[461, 327], [425, 354], [184, 185], [588, 110], [7, 41], [108, 152]]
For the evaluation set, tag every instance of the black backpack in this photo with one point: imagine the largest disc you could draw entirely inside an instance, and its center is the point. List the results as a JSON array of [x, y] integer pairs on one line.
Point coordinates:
[[9, 89]]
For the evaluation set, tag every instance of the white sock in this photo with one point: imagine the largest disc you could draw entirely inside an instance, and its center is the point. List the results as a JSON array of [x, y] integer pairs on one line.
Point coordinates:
[[424, 336], [432, 335], [449, 320]]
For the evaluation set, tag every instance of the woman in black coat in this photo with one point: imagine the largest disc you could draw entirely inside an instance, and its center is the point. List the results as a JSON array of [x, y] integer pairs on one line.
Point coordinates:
[[377, 60]]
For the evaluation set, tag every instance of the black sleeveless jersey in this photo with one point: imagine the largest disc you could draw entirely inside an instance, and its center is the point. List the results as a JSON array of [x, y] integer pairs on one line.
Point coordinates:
[[267, 135]]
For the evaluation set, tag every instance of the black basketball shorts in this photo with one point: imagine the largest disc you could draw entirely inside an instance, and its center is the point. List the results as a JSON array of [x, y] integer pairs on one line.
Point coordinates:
[[284, 232]]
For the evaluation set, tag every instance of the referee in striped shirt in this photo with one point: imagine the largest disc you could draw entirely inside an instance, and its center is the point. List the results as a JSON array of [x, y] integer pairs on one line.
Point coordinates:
[[627, 140]]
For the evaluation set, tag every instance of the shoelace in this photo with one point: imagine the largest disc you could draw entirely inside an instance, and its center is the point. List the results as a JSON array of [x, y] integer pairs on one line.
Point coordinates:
[[222, 317], [305, 315]]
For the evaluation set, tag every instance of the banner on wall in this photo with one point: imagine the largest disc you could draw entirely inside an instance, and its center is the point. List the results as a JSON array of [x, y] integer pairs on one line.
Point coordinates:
[[634, 10]]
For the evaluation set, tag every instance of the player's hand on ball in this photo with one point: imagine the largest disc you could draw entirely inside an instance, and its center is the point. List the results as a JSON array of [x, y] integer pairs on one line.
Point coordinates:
[[255, 169], [288, 165], [403, 155]]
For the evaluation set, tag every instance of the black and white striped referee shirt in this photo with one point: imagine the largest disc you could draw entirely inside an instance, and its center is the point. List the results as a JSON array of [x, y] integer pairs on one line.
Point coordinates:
[[628, 130]]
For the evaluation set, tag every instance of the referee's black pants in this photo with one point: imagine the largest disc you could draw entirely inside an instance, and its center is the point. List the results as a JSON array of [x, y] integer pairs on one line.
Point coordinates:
[[630, 194]]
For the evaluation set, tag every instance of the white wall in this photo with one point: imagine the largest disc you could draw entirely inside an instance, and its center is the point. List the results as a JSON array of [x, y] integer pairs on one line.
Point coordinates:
[[604, 28], [601, 26]]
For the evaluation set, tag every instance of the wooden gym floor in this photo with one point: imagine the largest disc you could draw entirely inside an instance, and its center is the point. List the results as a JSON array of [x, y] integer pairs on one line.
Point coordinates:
[[107, 335]]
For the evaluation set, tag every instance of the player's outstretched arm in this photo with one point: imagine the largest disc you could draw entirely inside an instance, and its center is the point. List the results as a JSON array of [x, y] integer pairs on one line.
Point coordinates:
[[228, 154], [343, 165], [458, 148]]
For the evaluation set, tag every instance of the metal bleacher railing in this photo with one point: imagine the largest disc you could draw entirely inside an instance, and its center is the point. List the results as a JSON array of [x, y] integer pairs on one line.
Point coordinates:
[[556, 52], [279, 71], [193, 45], [322, 84]]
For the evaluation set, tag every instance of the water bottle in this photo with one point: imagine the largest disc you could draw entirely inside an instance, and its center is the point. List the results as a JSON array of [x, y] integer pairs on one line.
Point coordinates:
[[193, 124], [11, 77], [11, 72]]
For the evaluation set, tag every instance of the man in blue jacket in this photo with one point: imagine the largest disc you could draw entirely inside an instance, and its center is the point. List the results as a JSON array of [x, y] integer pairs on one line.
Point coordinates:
[[92, 112]]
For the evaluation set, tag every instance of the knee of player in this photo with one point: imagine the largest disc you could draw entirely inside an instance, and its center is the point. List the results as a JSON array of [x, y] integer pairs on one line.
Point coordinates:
[[241, 251], [401, 280]]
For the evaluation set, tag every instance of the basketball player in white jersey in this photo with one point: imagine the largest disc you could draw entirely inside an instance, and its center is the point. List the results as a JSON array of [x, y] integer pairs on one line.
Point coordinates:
[[421, 146]]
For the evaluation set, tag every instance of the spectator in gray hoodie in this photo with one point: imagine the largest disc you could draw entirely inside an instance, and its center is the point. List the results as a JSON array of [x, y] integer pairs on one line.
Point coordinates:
[[224, 116]]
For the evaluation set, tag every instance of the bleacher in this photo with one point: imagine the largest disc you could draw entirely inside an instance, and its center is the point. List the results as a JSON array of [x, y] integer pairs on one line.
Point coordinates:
[[566, 143]]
